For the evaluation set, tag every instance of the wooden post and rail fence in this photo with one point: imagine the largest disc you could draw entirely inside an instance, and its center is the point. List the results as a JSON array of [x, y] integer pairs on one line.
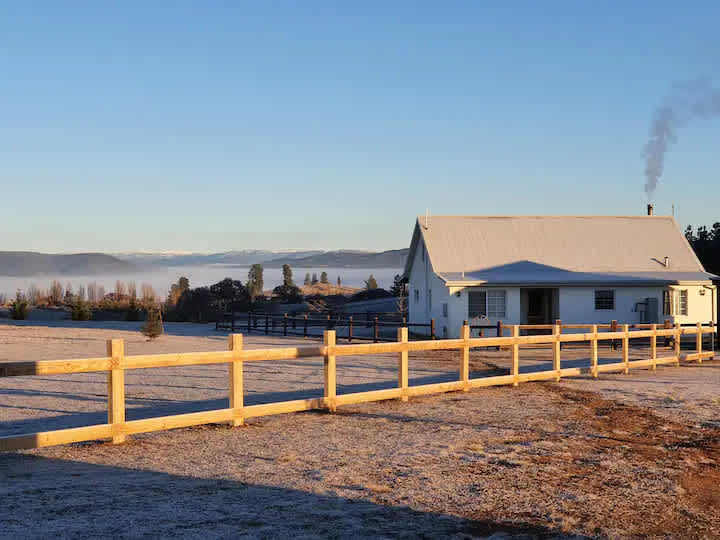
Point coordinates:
[[116, 363], [302, 325]]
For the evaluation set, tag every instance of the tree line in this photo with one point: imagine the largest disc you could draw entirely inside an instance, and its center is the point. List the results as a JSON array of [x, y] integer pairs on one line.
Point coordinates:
[[706, 244]]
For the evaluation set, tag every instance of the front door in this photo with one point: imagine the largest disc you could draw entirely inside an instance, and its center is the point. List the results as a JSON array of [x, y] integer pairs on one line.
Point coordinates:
[[538, 306]]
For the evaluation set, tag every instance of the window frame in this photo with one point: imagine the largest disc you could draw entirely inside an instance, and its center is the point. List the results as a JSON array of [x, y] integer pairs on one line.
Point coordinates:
[[491, 299], [595, 298]]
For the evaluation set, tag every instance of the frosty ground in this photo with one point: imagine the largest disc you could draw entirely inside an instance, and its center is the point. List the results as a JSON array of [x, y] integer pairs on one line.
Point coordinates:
[[624, 455]]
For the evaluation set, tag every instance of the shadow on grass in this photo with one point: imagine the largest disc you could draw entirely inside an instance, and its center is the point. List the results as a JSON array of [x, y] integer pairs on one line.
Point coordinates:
[[44, 497]]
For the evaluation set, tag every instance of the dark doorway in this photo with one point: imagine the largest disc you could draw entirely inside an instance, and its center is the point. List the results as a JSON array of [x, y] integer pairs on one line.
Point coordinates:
[[539, 306]]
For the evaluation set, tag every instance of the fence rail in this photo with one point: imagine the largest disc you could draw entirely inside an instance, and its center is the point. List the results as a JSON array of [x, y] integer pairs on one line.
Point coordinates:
[[116, 363], [345, 327]]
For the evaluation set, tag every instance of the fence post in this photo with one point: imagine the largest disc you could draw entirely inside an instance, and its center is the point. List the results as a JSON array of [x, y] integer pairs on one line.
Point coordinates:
[[559, 323], [403, 365], [116, 389], [465, 357], [235, 344], [557, 329], [350, 329], [698, 342], [285, 324], [653, 346], [375, 329], [626, 347], [594, 351], [432, 328], [516, 355], [499, 331], [613, 328], [305, 326], [678, 334], [329, 370]]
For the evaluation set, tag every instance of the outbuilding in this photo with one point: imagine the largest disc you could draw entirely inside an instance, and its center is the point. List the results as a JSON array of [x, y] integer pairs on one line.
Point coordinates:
[[537, 269]]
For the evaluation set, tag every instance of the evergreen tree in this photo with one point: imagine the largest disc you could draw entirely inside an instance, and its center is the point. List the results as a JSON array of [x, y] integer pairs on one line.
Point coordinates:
[[371, 283], [314, 280], [287, 275], [20, 308], [307, 279], [255, 281], [153, 326], [323, 277], [81, 310], [398, 286]]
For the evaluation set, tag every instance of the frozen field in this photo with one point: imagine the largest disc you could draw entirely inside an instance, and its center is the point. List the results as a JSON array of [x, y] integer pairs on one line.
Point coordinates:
[[625, 455]]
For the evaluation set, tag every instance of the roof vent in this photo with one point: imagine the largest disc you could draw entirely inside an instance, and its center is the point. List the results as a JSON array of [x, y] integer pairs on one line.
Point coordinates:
[[650, 209], [667, 262]]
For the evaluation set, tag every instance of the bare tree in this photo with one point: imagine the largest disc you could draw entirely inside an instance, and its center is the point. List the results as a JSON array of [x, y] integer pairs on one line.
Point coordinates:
[[132, 290], [148, 293], [92, 292], [33, 294], [119, 289], [56, 293]]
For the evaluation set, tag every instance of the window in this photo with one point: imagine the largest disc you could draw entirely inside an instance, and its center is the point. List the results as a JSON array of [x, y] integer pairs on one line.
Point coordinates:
[[477, 304], [681, 302], [445, 310], [675, 302], [496, 304], [417, 296], [605, 300]]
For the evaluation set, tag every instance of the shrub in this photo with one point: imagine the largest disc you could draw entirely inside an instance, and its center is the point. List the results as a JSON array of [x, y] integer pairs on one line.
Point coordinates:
[[153, 326], [133, 313], [20, 308], [289, 294], [81, 311]]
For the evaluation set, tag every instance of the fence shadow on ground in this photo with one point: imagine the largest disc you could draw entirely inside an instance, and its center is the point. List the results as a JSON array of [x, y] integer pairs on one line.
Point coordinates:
[[142, 408], [43, 497]]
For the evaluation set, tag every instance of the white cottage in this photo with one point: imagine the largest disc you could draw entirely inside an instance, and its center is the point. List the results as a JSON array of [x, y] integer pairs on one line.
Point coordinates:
[[537, 269]]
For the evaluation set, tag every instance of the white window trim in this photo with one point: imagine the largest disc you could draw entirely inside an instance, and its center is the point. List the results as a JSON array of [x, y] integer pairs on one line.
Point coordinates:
[[488, 292]]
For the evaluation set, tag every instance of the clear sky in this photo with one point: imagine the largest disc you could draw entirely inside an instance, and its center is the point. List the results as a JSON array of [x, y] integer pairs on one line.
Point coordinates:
[[212, 126]]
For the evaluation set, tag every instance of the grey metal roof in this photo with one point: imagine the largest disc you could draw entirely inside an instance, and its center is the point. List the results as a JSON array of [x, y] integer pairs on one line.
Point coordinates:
[[557, 249]]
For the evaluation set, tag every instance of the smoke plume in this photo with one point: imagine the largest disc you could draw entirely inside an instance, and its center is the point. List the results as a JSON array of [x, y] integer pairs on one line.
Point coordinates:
[[683, 104]]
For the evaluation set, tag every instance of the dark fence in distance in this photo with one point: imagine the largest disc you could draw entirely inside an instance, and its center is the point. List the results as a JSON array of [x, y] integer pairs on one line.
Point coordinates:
[[368, 327]]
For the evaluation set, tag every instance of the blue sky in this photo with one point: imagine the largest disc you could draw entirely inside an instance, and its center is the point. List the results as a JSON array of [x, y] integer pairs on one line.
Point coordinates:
[[211, 126]]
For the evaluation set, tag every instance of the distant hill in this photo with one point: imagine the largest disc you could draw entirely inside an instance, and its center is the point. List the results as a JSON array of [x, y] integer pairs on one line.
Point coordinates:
[[26, 264], [394, 258], [244, 257]]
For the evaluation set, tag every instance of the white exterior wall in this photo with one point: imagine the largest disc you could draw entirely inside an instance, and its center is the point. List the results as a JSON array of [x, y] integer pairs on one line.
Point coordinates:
[[701, 308], [577, 305]]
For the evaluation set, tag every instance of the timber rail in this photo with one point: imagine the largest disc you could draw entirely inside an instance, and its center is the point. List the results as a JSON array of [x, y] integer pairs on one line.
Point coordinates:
[[115, 363]]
